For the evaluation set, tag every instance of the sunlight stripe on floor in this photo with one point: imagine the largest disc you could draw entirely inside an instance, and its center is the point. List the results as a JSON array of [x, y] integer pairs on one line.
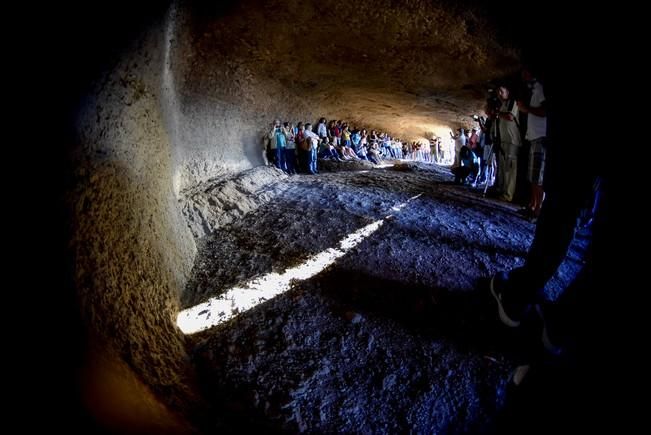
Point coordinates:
[[240, 299]]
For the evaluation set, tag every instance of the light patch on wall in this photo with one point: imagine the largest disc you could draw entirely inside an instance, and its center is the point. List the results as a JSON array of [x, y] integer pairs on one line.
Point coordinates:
[[240, 299]]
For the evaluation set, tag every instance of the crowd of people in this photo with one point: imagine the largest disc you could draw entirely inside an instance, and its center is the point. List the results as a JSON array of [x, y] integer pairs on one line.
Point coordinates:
[[488, 153], [560, 189], [298, 148], [512, 128]]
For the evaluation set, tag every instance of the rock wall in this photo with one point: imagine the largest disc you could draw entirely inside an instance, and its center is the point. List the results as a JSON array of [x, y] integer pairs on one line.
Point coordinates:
[[132, 249], [187, 102]]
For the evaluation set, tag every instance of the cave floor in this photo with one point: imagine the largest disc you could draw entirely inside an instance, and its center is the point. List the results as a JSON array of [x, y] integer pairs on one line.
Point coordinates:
[[398, 335]]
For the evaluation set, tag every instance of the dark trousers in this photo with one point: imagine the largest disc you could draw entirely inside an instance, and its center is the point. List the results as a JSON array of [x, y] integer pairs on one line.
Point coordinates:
[[279, 158], [554, 234], [290, 160]]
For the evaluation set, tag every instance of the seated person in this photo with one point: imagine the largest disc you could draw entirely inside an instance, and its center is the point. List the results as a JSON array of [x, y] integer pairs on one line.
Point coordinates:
[[469, 165], [329, 151]]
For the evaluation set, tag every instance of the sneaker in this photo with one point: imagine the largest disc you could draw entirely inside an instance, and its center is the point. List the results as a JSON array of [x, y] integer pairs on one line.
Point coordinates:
[[510, 314], [549, 340]]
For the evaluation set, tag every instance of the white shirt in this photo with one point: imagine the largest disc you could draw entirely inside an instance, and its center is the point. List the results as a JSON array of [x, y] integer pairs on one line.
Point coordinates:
[[321, 130], [313, 137], [536, 125], [460, 141], [509, 131]]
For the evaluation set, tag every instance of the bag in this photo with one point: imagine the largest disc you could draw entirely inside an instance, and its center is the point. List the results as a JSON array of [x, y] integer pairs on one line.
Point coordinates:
[[305, 144]]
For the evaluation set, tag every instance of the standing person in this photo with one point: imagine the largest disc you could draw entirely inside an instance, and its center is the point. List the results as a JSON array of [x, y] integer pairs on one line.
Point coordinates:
[[489, 141], [290, 148], [510, 142], [475, 148], [267, 157], [536, 134], [473, 141], [460, 140], [311, 152], [302, 147], [322, 131], [277, 142], [568, 183]]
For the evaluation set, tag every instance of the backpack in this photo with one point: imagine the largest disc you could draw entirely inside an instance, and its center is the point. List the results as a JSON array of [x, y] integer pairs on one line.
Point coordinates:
[[305, 144]]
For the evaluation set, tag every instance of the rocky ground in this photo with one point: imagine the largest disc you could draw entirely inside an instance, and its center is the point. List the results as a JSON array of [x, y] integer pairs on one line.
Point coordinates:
[[397, 335]]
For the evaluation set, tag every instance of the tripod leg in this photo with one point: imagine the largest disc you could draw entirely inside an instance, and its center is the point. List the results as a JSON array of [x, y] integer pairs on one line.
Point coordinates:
[[488, 173]]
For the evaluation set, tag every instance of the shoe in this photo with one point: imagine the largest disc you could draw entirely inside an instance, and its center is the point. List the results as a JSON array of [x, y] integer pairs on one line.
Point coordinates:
[[504, 198], [509, 314], [549, 340]]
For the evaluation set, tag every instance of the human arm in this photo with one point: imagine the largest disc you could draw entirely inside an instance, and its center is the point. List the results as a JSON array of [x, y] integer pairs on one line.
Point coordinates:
[[538, 111]]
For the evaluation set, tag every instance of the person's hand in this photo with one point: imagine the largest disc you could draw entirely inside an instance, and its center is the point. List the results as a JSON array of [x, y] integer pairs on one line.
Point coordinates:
[[523, 107]]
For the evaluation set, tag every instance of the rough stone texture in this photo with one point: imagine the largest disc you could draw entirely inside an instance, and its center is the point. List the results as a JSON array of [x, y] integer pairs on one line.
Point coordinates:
[[395, 337], [133, 250], [188, 101], [410, 68], [208, 206]]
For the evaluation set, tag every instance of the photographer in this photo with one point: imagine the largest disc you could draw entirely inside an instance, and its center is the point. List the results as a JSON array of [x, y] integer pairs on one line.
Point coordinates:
[[277, 143], [489, 141], [460, 140]]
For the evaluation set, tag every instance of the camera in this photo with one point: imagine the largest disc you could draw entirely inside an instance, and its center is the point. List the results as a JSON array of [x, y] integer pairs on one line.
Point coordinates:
[[493, 102]]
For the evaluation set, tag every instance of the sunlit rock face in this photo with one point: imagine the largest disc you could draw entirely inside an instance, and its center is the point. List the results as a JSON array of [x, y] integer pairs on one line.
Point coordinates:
[[188, 99], [412, 69]]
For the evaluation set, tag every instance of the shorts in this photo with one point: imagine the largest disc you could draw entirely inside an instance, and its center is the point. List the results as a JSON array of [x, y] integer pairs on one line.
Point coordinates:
[[536, 167]]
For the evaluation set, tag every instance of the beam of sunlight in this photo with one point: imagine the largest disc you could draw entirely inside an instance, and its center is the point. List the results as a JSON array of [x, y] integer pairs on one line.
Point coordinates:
[[239, 299]]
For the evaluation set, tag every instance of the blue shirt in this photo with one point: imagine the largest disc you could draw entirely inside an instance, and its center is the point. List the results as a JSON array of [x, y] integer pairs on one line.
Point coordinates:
[[281, 140]]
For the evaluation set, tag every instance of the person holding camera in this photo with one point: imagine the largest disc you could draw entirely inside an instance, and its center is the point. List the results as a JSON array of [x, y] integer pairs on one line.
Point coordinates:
[[290, 148], [460, 140], [277, 143]]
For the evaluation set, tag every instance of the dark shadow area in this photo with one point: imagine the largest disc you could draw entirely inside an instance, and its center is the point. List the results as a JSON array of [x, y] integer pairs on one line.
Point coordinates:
[[438, 187], [81, 42], [460, 241], [467, 319]]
